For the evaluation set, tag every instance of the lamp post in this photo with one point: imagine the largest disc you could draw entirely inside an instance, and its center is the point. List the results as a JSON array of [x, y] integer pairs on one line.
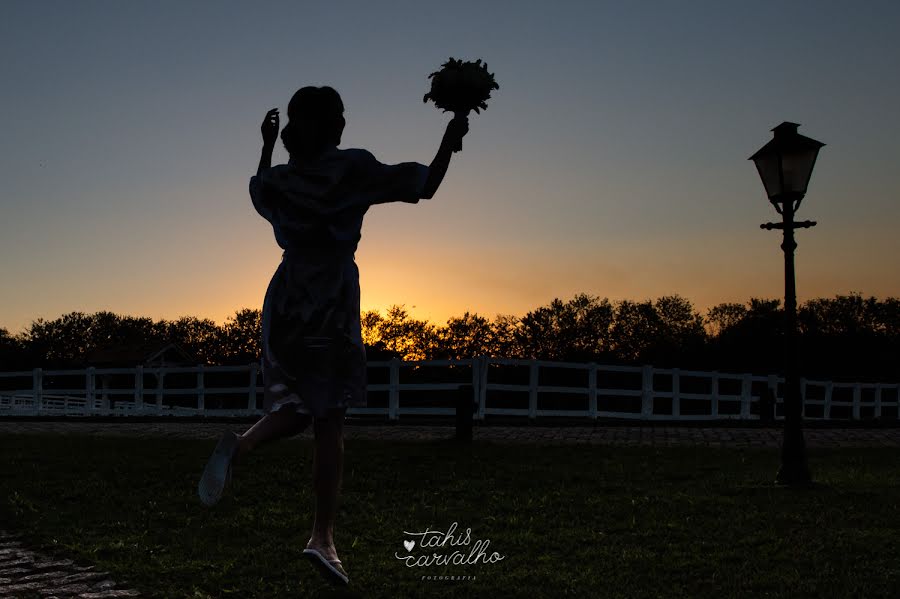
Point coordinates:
[[785, 165]]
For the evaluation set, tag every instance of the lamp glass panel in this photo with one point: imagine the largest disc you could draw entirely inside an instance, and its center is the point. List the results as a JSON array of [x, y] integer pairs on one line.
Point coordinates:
[[797, 167], [767, 166]]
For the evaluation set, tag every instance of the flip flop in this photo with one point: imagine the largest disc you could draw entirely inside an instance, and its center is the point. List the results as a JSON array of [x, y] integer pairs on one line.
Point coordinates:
[[330, 569], [217, 473]]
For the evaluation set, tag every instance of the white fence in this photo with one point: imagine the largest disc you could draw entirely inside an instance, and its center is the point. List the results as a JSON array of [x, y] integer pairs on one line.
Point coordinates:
[[622, 392]]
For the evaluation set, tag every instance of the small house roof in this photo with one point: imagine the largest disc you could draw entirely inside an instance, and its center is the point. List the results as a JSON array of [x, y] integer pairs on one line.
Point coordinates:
[[144, 352]]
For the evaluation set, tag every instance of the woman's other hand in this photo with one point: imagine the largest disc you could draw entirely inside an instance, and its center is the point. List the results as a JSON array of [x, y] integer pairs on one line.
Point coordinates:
[[269, 128]]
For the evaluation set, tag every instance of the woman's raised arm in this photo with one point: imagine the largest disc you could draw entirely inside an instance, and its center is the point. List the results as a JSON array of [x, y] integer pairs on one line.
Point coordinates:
[[269, 130], [456, 129]]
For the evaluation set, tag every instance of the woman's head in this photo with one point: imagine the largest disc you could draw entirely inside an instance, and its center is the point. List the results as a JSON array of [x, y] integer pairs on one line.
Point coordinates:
[[315, 121]]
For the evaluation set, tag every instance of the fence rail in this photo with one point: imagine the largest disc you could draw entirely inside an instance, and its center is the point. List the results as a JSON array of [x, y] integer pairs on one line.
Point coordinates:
[[526, 388]]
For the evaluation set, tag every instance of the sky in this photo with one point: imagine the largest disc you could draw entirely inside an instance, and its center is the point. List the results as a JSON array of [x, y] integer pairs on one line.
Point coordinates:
[[613, 160]]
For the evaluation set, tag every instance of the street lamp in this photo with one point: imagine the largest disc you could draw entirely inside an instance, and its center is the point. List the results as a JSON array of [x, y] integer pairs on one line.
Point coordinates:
[[785, 165]]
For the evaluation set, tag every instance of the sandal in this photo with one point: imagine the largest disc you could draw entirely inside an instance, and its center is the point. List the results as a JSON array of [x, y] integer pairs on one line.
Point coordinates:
[[217, 473], [330, 569]]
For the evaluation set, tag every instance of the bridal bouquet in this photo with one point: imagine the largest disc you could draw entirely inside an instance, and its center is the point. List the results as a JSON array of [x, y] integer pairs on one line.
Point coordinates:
[[461, 87]]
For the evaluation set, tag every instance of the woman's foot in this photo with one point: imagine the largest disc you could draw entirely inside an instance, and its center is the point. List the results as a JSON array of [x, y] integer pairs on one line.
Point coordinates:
[[217, 473], [326, 549], [333, 570]]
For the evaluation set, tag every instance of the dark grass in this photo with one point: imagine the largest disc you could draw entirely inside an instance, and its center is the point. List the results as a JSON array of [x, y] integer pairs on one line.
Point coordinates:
[[571, 520]]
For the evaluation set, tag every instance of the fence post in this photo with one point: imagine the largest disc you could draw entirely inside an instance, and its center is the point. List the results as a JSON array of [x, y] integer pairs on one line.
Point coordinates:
[[251, 396], [592, 390], [857, 398], [715, 394], [465, 403], [676, 393], [476, 377], [877, 400], [746, 386], [201, 393], [802, 397], [532, 389], [105, 396], [646, 391], [90, 386], [768, 406], [160, 377], [139, 388], [829, 386], [394, 392], [37, 389], [482, 399], [476, 381]]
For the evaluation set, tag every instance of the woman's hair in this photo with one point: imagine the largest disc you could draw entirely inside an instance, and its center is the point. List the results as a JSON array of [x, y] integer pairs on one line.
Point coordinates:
[[315, 121]]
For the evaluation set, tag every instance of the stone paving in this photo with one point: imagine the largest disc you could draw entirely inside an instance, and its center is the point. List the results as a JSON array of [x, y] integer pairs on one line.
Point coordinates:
[[25, 573]]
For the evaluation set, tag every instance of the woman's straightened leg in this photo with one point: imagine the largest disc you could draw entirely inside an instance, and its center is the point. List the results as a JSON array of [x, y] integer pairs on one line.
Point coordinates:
[[328, 465]]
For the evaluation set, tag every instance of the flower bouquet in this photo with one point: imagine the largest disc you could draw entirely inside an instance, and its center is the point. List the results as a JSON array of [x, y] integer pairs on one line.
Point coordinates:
[[461, 87]]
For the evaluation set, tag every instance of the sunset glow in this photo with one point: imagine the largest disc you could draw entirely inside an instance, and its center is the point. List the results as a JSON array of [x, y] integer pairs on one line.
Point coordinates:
[[612, 161]]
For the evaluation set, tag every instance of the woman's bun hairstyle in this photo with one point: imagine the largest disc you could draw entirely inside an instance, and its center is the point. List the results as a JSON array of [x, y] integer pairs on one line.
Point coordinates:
[[315, 121]]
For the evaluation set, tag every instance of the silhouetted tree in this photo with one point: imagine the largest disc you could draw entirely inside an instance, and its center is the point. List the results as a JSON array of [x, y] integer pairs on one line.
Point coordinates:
[[724, 316], [463, 337], [680, 335], [200, 337], [754, 343], [69, 338], [376, 348], [13, 354], [887, 317], [240, 337], [850, 334], [62, 340], [371, 322], [399, 334], [635, 325], [841, 338], [504, 342], [577, 330]]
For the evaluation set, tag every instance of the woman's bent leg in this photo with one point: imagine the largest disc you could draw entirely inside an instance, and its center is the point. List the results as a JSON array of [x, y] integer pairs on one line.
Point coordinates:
[[328, 464], [286, 422]]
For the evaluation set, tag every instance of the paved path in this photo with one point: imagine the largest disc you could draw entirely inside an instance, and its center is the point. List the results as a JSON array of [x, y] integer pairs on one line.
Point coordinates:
[[603, 435], [25, 573]]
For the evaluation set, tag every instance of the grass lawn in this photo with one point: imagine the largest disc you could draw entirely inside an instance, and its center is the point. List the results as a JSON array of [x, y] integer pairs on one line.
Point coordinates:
[[580, 521]]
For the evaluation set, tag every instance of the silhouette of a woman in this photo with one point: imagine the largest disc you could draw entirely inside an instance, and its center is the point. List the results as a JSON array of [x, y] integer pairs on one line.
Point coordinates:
[[314, 361]]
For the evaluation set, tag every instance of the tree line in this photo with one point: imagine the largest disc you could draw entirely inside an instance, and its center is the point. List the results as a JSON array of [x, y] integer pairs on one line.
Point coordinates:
[[841, 338]]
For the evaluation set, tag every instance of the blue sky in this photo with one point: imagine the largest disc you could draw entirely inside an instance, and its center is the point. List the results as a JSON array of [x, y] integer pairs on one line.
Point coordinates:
[[612, 160]]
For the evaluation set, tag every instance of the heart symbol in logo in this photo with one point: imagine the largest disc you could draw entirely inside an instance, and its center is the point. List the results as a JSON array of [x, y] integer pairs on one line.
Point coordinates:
[[409, 545]]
